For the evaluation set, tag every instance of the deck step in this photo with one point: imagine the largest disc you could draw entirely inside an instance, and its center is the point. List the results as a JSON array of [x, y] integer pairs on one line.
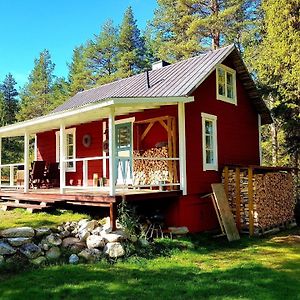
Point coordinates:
[[29, 207]]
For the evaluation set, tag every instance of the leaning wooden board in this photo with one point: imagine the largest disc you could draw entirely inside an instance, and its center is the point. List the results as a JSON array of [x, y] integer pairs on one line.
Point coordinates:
[[225, 212]]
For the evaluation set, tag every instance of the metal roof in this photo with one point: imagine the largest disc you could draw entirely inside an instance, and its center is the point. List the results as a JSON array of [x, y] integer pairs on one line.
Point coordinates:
[[175, 80]]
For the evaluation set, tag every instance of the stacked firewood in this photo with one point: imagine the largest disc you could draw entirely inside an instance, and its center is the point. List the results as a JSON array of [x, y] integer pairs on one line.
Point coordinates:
[[273, 198], [150, 171]]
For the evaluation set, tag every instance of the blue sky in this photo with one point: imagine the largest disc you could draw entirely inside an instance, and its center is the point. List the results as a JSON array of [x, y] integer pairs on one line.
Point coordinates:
[[29, 26]]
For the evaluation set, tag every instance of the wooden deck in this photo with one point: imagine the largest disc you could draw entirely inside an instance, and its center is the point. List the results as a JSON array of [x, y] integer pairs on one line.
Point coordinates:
[[45, 199]]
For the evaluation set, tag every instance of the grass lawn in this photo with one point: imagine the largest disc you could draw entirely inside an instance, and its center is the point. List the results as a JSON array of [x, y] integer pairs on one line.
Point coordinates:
[[20, 217], [196, 267]]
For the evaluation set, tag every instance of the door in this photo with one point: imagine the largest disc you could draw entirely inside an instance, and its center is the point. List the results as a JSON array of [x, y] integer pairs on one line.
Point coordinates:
[[124, 153]]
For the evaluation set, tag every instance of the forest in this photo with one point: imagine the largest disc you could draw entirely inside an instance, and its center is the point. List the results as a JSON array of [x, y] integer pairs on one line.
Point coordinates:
[[267, 33]]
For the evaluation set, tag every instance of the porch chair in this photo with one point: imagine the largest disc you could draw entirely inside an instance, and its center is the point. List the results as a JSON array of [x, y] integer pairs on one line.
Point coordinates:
[[52, 175], [37, 174]]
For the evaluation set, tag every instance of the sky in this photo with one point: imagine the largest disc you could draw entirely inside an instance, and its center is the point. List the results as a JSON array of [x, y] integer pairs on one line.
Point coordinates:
[[27, 27]]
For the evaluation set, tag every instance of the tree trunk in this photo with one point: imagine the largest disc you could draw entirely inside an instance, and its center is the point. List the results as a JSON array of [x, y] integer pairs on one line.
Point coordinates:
[[214, 6]]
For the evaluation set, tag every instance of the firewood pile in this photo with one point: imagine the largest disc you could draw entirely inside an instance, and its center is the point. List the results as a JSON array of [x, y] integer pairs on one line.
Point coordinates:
[[148, 171], [273, 198]]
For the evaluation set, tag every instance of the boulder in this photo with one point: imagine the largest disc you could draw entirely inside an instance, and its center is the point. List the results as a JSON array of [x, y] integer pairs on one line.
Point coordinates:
[[81, 222], [53, 253], [17, 232], [91, 255], [179, 230], [6, 249], [39, 261], [88, 226], [76, 248], [54, 239], [83, 235], [95, 241], [42, 231], [65, 234], [97, 230], [113, 237], [31, 250], [114, 250], [69, 241], [73, 259], [143, 242], [18, 241]]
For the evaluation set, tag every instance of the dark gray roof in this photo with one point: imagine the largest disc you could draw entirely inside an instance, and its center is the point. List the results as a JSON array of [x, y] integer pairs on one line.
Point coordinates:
[[178, 79]]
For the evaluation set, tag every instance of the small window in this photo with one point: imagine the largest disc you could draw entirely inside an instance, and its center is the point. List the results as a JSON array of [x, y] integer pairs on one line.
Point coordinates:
[[70, 148], [226, 84], [209, 142]]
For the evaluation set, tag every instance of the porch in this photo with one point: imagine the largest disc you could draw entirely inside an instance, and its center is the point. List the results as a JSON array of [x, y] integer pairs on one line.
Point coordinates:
[[119, 171]]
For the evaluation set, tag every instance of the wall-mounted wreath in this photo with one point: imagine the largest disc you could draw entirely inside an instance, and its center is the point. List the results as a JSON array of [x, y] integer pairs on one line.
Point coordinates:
[[86, 140]]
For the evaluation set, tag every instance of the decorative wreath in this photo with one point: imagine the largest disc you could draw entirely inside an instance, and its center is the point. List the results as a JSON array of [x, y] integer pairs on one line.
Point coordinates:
[[105, 146], [86, 140]]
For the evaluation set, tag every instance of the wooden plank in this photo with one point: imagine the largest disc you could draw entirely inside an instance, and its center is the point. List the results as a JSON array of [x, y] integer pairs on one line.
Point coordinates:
[[237, 199], [174, 142], [218, 214], [150, 125], [113, 216], [250, 197], [156, 119], [225, 212]]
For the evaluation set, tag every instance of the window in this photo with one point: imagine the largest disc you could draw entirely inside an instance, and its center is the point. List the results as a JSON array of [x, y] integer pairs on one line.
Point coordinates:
[[209, 142], [226, 84], [70, 148]]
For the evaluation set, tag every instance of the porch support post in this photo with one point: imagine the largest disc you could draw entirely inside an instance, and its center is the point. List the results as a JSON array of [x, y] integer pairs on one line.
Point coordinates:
[[182, 147], [62, 155], [26, 162], [259, 139], [112, 158], [35, 147], [0, 160]]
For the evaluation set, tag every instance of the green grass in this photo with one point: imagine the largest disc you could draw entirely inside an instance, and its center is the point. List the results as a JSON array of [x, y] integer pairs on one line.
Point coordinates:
[[198, 267], [20, 217]]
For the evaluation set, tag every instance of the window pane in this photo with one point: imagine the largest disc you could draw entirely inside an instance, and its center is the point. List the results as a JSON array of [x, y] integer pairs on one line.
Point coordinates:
[[208, 140], [208, 127], [230, 91], [229, 78], [209, 157], [69, 139], [221, 82]]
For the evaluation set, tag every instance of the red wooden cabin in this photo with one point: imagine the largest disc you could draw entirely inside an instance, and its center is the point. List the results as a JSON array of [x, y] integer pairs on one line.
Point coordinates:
[[201, 113]]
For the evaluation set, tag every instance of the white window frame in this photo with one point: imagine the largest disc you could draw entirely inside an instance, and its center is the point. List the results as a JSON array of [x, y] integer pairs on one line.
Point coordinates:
[[213, 119], [233, 73], [67, 131]]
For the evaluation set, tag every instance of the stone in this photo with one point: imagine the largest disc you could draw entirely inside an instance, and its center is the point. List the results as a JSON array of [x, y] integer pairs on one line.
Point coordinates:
[[88, 226], [83, 235], [41, 260], [113, 237], [95, 241], [2, 260], [179, 230], [69, 241], [45, 247], [53, 253], [17, 260], [31, 250], [42, 231], [114, 250], [143, 242], [64, 234], [97, 230], [73, 259], [54, 239], [60, 228], [90, 255], [6, 249], [76, 248], [81, 222], [18, 241], [17, 232]]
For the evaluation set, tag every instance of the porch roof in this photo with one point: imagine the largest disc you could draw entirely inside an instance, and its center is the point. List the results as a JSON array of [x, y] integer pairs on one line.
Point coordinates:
[[88, 113]]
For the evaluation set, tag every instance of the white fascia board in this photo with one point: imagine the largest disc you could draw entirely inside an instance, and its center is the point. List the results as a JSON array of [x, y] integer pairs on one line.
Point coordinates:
[[55, 119]]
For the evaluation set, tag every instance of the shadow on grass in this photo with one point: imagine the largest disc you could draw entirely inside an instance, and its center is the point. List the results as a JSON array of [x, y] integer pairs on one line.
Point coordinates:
[[102, 281]]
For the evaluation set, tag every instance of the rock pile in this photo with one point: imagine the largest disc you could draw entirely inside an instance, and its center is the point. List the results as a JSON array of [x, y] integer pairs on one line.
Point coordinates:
[[86, 240]]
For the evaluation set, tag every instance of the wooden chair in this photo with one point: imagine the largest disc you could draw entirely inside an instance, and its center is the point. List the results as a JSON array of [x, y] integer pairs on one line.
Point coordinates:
[[37, 174], [52, 175]]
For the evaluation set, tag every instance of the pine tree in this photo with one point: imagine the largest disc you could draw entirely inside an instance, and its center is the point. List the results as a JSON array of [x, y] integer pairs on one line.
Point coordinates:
[[11, 103], [36, 95], [276, 62], [59, 92], [131, 57], [101, 54], [80, 76]]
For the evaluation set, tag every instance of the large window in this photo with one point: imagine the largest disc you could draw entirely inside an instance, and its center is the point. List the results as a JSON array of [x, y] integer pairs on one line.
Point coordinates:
[[70, 148], [226, 84], [209, 142]]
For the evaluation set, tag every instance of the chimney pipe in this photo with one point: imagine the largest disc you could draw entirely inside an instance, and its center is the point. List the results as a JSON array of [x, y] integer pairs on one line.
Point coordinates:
[[148, 79]]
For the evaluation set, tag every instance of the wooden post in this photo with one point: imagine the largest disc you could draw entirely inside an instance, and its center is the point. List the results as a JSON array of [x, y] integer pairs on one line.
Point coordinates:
[[170, 150], [113, 216], [238, 199], [35, 147], [0, 162], [182, 147], [112, 156], [104, 167], [11, 176], [85, 173], [250, 196], [26, 162], [226, 182], [62, 155]]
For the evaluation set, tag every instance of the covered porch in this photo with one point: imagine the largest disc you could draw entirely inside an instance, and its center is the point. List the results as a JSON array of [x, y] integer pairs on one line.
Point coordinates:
[[121, 165]]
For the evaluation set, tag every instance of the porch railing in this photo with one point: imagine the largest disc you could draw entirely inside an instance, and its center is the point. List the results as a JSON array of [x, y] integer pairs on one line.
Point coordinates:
[[10, 175]]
